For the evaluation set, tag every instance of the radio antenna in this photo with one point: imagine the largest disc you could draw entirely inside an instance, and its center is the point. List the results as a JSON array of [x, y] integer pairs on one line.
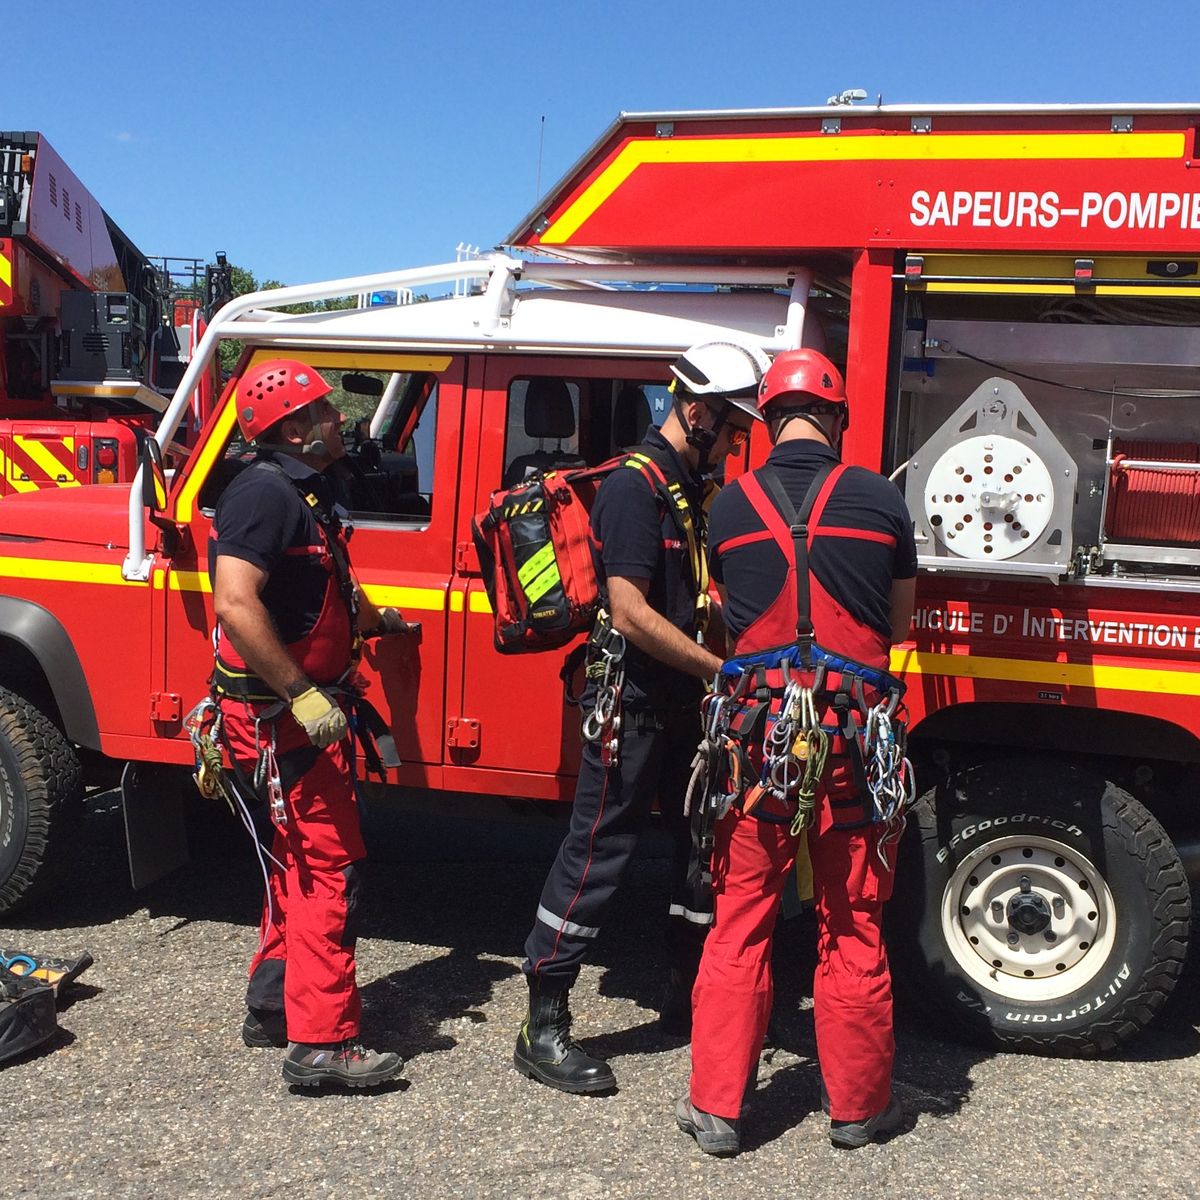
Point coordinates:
[[541, 143]]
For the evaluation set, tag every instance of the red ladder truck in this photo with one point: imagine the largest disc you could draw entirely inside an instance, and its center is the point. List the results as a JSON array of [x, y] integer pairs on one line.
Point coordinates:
[[89, 350]]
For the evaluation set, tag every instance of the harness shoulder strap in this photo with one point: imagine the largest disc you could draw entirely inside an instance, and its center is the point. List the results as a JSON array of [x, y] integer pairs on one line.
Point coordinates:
[[798, 528], [690, 522]]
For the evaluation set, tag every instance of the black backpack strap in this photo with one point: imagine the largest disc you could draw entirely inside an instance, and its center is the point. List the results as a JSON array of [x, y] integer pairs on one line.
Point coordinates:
[[690, 519], [798, 527]]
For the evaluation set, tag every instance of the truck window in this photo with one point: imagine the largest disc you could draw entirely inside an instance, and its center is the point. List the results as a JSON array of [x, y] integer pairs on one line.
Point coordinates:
[[562, 423], [388, 429]]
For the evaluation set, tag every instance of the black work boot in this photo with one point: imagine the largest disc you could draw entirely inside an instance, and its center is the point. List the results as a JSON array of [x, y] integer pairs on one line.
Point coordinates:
[[547, 1052]]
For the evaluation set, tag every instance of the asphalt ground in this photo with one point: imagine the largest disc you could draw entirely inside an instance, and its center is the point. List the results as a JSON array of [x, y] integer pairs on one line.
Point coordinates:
[[148, 1092]]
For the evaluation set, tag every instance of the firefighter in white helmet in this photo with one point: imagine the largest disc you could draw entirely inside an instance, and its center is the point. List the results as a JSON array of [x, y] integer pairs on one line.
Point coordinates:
[[648, 524]]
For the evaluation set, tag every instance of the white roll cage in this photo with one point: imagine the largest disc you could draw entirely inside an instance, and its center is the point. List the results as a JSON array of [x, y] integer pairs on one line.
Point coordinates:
[[252, 317]]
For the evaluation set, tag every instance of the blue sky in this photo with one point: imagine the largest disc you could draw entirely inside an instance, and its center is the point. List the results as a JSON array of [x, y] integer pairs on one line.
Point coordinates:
[[313, 140]]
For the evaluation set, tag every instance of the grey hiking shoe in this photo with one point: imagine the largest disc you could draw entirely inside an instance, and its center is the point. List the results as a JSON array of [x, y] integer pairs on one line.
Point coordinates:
[[850, 1135], [263, 1030], [713, 1134], [347, 1063]]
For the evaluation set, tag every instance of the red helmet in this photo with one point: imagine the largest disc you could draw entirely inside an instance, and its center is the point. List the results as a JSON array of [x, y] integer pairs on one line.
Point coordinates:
[[272, 390], [802, 380]]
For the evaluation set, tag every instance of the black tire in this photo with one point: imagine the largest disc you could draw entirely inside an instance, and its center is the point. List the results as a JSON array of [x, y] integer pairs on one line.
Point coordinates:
[[40, 780], [1038, 907]]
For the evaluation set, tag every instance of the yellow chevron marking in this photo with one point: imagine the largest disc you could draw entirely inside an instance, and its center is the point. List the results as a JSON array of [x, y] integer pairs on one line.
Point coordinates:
[[5, 270], [907, 662], [13, 475], [851, 148], [46, 460]]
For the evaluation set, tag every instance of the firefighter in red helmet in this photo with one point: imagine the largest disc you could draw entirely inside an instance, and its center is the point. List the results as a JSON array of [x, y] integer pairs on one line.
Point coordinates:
[[858, 563], [289, 615]]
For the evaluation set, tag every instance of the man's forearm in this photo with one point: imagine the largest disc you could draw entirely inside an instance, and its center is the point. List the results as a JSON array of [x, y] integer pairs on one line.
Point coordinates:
[[254, 636], [653, 634]]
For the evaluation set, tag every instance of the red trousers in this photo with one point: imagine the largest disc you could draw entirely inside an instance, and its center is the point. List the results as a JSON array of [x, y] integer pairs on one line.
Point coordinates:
[[852, 988], [305, 961]]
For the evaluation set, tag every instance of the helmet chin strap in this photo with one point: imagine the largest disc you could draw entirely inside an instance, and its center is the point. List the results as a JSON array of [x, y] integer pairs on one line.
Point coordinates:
[[700, 439]]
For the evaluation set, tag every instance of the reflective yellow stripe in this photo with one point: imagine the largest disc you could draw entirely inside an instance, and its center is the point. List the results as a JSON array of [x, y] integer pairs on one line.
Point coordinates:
[[44, 457], [479, 603], [189, 581], [535, 565], [403, 598], [64, 572], [406, 599], [214, 448], [1018, 670], [538, 587], [847, 148], [5, 270], [1057, 289]]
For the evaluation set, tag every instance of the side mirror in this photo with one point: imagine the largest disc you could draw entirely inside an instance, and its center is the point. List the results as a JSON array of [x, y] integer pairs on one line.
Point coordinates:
[[154, 477]]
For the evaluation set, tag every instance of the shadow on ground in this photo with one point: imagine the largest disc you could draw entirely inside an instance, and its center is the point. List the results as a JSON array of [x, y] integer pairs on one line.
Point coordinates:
[[466, 876]]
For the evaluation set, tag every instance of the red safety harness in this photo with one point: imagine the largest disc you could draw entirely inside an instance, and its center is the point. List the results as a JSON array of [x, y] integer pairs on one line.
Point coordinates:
[[788, 711]]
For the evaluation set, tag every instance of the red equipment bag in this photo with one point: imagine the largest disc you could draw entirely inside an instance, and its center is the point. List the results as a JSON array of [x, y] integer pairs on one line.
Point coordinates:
[[535, 552]]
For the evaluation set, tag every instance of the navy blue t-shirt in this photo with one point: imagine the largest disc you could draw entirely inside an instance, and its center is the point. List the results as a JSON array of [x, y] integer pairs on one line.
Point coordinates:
[[260, 517], [638, 538], [857, 573]]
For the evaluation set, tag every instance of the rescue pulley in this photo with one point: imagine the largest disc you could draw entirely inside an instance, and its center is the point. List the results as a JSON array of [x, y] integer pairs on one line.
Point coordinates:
[[992, 488]]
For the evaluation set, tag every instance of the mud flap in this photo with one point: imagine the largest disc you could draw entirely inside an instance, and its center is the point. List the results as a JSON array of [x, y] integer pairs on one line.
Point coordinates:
[[155, 832]]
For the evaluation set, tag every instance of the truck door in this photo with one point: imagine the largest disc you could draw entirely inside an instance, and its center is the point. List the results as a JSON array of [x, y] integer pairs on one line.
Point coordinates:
[[398, 481], [535, 414]]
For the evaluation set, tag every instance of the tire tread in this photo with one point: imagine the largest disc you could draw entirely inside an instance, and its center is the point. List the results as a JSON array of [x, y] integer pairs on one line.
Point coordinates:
[[1169, 895], [51, 777]]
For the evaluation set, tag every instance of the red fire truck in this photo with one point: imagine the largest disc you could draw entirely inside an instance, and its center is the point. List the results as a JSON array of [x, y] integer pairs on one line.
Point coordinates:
[[1015, 296], [89, 350]]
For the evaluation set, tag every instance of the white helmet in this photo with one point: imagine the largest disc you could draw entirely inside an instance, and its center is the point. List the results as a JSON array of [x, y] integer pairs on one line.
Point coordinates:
[[725, 371]]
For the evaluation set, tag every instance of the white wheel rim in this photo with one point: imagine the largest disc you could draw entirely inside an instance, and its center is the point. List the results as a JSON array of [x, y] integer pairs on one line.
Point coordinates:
[[1064, 890]]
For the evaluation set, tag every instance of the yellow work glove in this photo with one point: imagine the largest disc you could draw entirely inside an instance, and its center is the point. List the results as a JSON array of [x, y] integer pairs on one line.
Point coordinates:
[[323, 720]]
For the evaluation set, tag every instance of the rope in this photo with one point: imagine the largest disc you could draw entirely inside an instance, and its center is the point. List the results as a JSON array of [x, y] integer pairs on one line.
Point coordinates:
[[203, 725]]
